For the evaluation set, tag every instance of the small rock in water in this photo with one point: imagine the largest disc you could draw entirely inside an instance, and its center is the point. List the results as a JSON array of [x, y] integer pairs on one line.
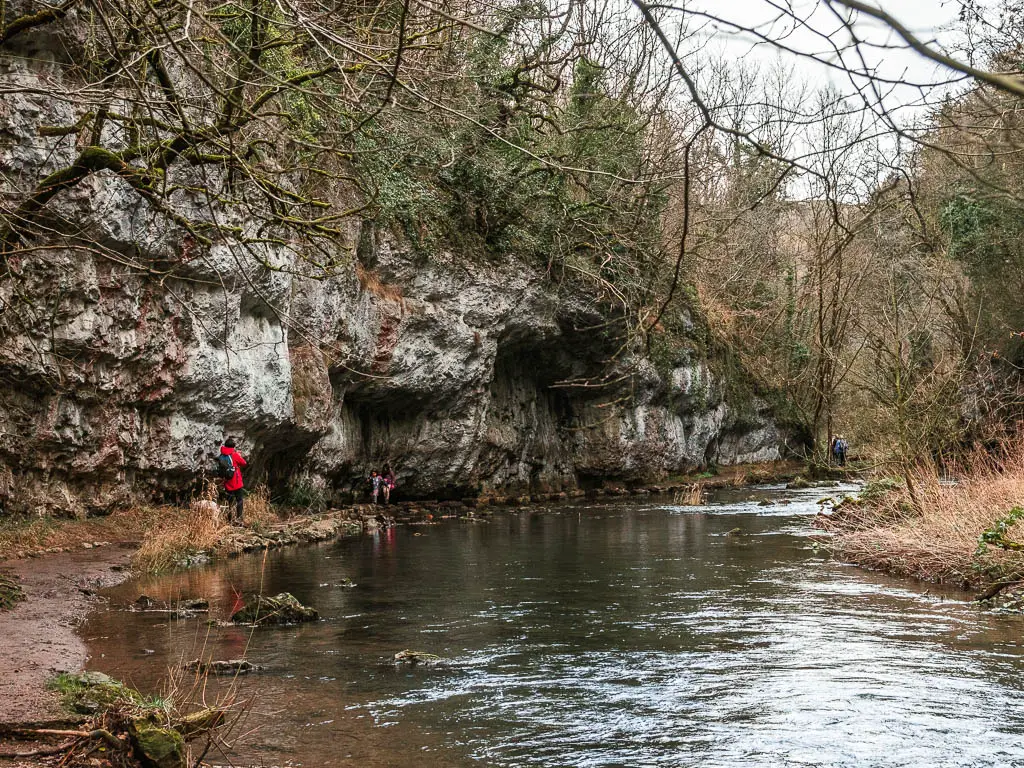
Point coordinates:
[[734, 532], [416, 657], [222, 667], [145, 601], [280, 609]]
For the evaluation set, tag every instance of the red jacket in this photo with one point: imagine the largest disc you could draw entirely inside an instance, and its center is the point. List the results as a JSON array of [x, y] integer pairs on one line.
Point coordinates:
[[235, 482]]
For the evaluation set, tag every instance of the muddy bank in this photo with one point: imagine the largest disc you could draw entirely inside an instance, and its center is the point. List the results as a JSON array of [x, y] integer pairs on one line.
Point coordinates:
[[40, 636]]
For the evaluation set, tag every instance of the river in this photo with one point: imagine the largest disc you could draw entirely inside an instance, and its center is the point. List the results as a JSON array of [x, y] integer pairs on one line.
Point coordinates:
[[621, 633]]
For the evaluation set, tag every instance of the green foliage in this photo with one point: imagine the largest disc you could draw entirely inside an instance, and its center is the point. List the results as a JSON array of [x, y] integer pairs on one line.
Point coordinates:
[[90, 692], [966, 221], [666, 352], [547, 180], [305, 493], [995, 535], [986, 236]]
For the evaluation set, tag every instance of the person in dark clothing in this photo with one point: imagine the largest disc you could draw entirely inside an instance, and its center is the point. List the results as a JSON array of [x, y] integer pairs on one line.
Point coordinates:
[[375, 483], [841, 446], [233, 486]]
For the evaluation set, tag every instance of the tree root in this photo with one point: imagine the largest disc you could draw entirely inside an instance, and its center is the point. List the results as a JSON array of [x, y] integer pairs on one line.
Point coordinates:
[[40, 752], [96, 733]]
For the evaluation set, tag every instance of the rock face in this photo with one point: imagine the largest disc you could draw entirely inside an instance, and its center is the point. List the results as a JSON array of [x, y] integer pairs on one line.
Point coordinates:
[[124, 364]]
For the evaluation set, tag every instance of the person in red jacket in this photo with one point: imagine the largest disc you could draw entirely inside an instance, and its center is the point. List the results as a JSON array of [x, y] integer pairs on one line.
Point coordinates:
[[233, 485]]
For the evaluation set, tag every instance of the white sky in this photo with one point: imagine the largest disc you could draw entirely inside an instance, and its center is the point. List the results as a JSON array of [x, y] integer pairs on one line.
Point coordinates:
[[819, 33], [883, 50]]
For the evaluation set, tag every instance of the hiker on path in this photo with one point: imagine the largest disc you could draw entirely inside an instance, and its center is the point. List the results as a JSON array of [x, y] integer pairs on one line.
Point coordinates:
[[229, 468], [841, 446], [838, 450], [388, 483], [375, 483]]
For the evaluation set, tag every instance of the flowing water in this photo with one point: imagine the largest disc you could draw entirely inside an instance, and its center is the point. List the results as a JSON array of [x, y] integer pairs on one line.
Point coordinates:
[[625, 633]]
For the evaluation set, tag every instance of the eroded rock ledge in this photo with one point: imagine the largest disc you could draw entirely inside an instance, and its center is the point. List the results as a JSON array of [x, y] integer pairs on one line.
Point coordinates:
[[448, 366]]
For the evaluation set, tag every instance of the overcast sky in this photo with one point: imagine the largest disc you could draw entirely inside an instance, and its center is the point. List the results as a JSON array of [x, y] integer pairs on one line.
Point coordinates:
[[930, 20], [818, 38]]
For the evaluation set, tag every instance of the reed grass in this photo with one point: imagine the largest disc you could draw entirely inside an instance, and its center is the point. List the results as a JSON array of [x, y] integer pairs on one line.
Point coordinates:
[[178, 534], [932, 532], [260, 514], [692, 495]]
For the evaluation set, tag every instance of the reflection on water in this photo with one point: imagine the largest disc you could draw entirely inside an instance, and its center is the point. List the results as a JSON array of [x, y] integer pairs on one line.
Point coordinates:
[[618, 634]]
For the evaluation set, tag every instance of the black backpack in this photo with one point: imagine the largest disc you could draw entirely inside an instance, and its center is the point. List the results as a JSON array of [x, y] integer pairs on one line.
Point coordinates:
[[224, 467]]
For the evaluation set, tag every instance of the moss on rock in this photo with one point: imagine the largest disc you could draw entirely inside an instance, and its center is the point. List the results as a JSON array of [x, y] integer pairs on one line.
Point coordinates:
[[10, 593], [280, 609], [157, 747]]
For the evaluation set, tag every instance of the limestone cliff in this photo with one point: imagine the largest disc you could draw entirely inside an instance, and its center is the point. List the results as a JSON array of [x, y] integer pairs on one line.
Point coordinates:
[[127, 352]]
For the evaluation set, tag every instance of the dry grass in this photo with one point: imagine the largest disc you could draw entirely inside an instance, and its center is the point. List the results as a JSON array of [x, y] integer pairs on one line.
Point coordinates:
[[690, 496], [166, 534], [936, 538], [259, 512], [178, 534], [18, 536]]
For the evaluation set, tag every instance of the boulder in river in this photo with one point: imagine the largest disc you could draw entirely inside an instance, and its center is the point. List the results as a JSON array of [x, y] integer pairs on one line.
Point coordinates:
[[279, 609], [222, 667], [416, 657]]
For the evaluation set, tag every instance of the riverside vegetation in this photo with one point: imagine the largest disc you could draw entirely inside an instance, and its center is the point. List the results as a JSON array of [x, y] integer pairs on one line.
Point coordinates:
[[963, 532], [121, 727]]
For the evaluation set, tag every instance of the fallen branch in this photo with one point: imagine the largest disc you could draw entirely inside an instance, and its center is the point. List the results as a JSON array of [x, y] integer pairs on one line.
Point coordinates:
[[996, 588]]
